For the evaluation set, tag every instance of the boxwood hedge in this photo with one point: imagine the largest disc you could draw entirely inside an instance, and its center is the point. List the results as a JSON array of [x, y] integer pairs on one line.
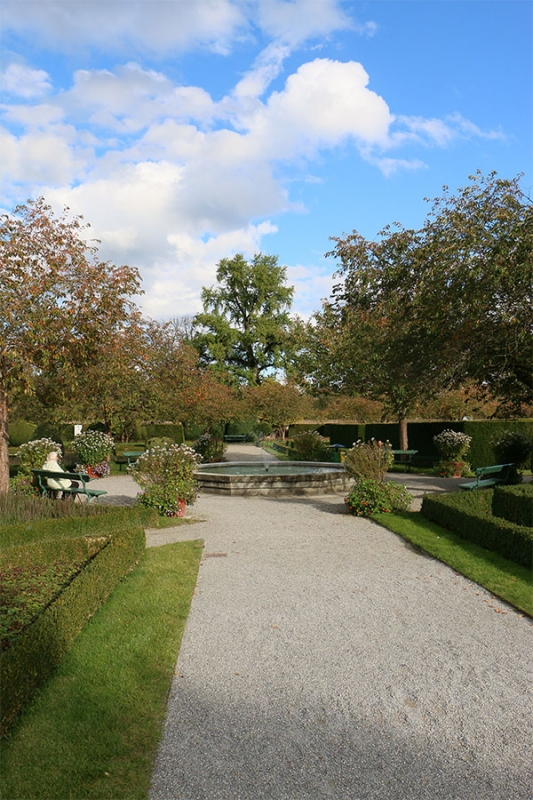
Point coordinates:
[[470, 516], [39, 648], [514, 503]]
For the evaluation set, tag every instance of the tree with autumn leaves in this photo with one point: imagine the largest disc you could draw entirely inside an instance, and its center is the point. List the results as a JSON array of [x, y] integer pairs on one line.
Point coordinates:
[[59, 304]]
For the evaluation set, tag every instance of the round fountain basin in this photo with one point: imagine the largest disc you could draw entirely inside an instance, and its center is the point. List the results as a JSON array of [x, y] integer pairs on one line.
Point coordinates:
[[273, 478]]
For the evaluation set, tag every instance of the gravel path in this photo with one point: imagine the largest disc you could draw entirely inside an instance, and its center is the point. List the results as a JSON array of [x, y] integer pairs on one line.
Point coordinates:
[[325, 658]]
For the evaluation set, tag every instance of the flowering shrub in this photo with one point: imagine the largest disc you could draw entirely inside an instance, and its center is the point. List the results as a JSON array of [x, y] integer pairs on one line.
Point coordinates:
[[33, 455], [93, 447], [311, 446], [452, 445], [209, 448], [166, 474], [369, 496], [370, 460]]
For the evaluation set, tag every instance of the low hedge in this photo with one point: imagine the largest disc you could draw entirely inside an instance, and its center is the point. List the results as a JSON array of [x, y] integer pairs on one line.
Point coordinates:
[[39, 648], [470, 516], [514, 503]]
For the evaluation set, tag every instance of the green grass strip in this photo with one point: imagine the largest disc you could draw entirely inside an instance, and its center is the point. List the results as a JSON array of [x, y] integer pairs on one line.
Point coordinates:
[[505, 579], [93, 731]]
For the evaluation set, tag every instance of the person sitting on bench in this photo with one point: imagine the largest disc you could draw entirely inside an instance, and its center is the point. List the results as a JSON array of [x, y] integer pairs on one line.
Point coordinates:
[[52, 464]]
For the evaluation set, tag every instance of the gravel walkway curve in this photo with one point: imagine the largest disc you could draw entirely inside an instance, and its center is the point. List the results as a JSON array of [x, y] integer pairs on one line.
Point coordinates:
[[325, 658]]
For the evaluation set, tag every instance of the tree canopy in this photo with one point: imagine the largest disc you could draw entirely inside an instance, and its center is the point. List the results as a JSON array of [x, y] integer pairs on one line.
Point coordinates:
[[418, 312], [245, 323], [59, 304]]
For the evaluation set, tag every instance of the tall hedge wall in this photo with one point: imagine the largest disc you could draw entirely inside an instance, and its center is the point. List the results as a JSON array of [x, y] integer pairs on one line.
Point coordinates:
[[483, 433]]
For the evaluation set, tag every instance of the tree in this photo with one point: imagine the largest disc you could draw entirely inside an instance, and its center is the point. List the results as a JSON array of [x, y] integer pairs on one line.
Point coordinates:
[[276, 403], [245, 324], [59, 305], [424, 311]]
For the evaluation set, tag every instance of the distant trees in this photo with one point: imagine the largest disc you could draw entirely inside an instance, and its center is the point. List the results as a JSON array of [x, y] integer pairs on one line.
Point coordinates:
[[59, 304], [244, 327]]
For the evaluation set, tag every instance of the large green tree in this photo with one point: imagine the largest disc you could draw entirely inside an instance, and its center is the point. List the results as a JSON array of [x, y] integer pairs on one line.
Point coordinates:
[[59, 304], [244, 327], [418, 312]]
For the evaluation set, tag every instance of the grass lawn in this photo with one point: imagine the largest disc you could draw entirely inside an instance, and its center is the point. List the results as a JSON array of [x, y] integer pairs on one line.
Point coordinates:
[[505, 579], [93, 730]]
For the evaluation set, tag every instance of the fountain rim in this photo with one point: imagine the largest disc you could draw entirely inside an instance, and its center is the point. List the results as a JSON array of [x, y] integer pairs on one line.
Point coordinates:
[[217, 465]]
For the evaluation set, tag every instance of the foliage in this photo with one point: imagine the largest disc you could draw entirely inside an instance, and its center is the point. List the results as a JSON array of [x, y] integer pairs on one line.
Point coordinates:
[[210, 448], [452, 445], [94, 729], [166, 474], [276, 403], [59, 305], [244, 327], [513, 447], [311, 446], [469, 515], [370, 496], [370, 460], [93, 447], [16, 507], [420, 312], [34, 454], [39, 648], [452, 469], [514, 503], [20, 432]]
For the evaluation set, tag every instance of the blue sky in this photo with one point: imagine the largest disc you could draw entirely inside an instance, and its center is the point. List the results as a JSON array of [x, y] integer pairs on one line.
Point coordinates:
[[186, 132]]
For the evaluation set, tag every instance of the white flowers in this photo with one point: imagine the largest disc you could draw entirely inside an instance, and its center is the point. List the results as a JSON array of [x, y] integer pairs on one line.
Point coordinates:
[[452, 445]]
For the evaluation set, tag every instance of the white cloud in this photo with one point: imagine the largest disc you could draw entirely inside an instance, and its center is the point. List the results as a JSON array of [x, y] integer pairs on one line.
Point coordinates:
[[23, 81], [155, 26], [294, 21]]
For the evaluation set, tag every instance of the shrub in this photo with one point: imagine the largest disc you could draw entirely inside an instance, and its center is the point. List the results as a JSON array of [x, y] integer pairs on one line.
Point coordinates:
[[469, 515], [514, 503], [369, 460], [92, 447], [20, 432], [452, 445], [513, 448], [311, 446], [167, 476], [370, 496], [34, 454], [39, 648], [209, 448]]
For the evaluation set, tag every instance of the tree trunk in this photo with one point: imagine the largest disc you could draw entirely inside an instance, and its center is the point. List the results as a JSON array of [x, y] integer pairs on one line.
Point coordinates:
[[404, 441], [4, 442]]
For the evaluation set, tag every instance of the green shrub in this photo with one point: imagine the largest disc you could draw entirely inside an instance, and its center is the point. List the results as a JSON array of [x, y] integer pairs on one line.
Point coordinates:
[[38, 649], [514, 503], [48, 430], [210, 448], [310, 446], [514, 447], [166, 430], [166, 475], [32, 455], [469, 515], [369, 460], [371, 496], [21, 432]]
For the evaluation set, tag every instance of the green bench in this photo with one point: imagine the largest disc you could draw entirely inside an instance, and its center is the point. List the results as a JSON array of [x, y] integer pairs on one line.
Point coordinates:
[[499, 473], [42, 475], [404, 457], [235, 437]]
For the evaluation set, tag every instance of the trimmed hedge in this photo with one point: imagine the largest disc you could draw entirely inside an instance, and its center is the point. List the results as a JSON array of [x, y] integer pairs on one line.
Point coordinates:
[[514, 503], [470, 516], [20, 432], [39, 648], [160, 431], [480, 454]]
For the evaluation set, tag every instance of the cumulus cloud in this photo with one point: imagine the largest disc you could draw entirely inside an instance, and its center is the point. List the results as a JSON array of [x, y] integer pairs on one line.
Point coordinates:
[[24, 82]]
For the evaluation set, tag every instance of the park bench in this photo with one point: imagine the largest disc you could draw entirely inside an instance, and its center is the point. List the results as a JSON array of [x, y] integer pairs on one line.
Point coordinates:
[[404, 457], [235, 437], [81, 478], [499, 473]]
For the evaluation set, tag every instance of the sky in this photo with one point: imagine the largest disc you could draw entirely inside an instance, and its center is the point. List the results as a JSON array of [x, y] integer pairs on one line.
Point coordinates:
[[186, 131]]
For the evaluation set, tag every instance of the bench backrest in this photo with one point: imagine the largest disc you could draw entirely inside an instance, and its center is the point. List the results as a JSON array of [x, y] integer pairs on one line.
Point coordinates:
[[490, 470], [73, 476]]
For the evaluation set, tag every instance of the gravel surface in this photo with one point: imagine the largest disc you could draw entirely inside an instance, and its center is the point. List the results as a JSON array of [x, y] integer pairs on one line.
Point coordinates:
[[326, 658]]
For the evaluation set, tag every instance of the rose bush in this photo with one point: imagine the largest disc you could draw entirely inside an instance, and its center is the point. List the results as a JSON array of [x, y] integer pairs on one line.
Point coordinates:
[[370, 460], [369, 497], [166, 474]]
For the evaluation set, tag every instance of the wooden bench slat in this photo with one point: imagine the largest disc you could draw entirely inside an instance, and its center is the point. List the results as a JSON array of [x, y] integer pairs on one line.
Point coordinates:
[[484, 483]]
